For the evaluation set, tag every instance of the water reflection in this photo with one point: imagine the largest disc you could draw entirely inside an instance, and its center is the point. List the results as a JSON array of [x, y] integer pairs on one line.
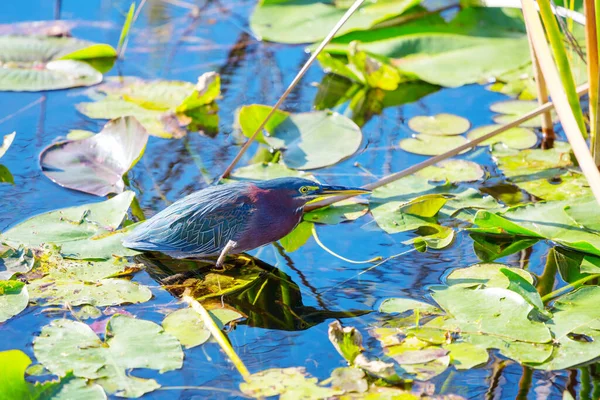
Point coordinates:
[[268, 297]]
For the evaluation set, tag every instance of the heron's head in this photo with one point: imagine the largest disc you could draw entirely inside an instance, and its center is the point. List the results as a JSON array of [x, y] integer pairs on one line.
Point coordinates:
[[306, 190]]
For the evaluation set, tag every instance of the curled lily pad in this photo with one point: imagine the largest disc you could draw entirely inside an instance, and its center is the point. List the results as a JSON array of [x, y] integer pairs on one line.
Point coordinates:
[[66, 345], [96, 165], [439, 125], [298, 237], [515, 138], [164, 108], [35, 63], [13, 299], [452, 171], [512, 109], [347, 210], [430, 145]]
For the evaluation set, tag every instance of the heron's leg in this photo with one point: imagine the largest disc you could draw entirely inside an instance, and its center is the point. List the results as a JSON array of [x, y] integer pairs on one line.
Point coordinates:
[[228, 247]]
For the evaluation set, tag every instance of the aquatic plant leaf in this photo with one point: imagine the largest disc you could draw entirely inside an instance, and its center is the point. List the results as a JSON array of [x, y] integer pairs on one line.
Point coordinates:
[[6, 142], [298, 237], [249, 118], [347, 340], [96, 165], [87, 231], [425, 206], [493, 311], [488, 274], [584, 214], [491, 247], [288, 383], [430, 145], [401, 305], [310, 21], [164, 108], [547, 174], [13, 366], [188, 327], [432, 236], [376, 73], [512, 109], [454, 171], [229, 282], [576, 327], [6, 176], [349, 379], [14, 298], [264, 171], [343, 211], [541, 220], [515, 138], [78, 134], [464, 355], [315, 139], [439, 125], [521, 286], [337, 66], [66, 345], [13, 261], [57, 281], [35, 63]]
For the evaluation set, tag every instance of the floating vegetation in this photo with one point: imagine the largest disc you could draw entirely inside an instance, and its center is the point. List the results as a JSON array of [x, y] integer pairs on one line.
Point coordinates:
[[5, 175]]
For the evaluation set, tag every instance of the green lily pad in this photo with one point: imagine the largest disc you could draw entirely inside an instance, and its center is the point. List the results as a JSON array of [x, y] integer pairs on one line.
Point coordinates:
[[310, 21], [13, 365], [298, 237], [515, 138], [288, 383], [401, 305], [87, 231], [488, 274], [13, 299], [454, 171], [464, 355], [36, 63], [512, 109], [430, 145], [439, 125], [16, 261], [264, 171], [164, 108], [315, 139], [547, 174], [249, 118], [349, 379], [584, 214], [66, 345], [343, 211], [188, 327], [96, 165], [376, 73], [491, 247]]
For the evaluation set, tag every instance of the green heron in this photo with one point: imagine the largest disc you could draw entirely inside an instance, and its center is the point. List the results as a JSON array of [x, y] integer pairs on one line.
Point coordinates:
[[230, 219]]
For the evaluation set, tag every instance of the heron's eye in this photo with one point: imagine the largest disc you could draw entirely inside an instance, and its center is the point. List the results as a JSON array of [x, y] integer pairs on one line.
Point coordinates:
[[304, 189]]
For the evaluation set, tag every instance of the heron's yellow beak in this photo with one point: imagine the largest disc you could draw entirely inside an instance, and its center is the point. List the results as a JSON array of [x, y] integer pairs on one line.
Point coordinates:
[[343, 190]]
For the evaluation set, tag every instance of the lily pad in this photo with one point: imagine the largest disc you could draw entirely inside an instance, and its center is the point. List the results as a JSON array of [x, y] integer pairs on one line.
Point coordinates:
[[164, 108], [14, 261], [315, 139], [264, 171], [430, 145], [488, 274], [401, 305], [439, 125], [5, 175], [515, 138], [13, 366], [188, 327], [88, 231], [36, 63], [13, 299], [298, 237], [249, 118], [547, 174], [454, 171], [343, 211], [288, 383], [96, 165], [310, 21], [512, 109], [464, 355], [66, 345]]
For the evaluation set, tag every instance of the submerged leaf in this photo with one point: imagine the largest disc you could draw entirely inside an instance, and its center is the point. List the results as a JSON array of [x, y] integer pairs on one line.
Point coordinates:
[[454, 171], [66, 345], [35, 63], [439, 125], [96, 165]]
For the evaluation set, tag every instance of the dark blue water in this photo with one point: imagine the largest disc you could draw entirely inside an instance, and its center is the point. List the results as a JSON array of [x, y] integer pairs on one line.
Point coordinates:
[[167, 43]]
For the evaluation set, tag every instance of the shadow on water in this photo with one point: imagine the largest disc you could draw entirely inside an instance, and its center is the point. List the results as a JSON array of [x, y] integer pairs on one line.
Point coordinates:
[[268, 297]]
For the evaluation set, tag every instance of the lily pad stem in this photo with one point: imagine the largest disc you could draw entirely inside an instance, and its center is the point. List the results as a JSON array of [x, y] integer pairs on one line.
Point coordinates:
[[552, 295]]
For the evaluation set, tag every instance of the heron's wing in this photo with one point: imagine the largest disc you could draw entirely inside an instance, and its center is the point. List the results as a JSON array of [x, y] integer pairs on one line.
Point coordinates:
[[200, 224]]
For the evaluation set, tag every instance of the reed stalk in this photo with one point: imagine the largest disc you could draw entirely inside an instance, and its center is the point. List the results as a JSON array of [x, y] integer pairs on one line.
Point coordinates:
[[591, 41], [542, 95]]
